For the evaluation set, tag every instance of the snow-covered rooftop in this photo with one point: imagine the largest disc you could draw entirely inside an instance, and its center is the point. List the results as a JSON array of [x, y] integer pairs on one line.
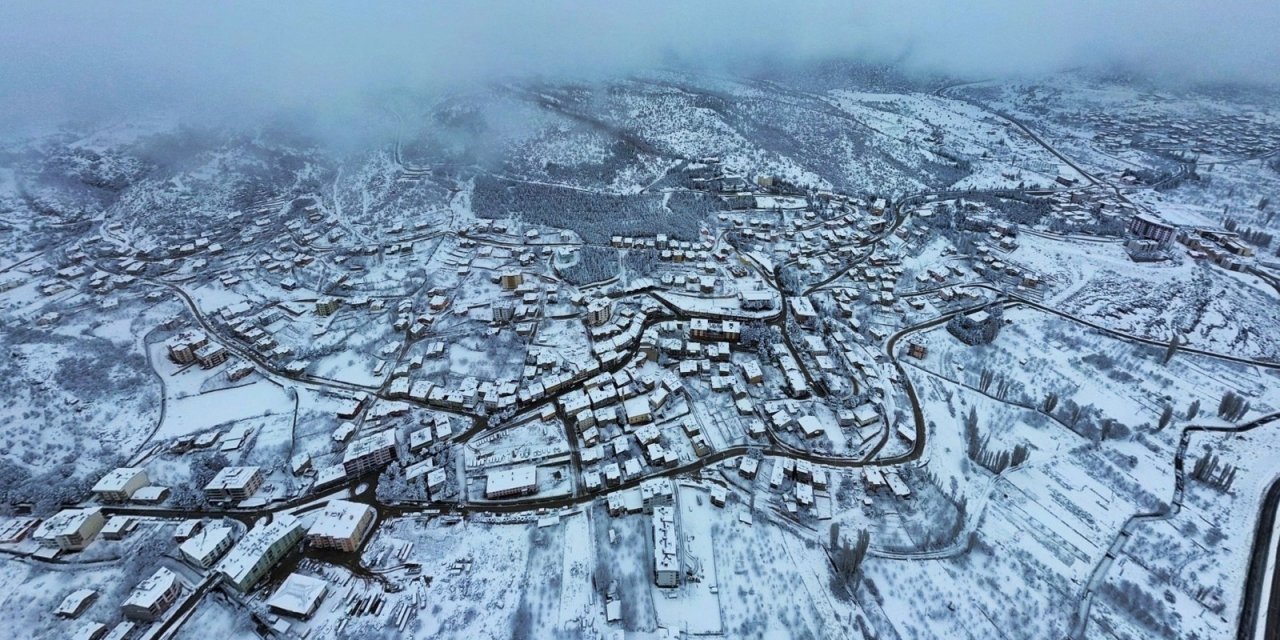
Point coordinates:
[[152, 589], [298, 595], [339, 519]]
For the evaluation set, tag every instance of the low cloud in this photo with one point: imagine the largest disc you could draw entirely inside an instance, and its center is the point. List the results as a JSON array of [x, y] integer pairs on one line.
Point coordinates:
[[88, 60]]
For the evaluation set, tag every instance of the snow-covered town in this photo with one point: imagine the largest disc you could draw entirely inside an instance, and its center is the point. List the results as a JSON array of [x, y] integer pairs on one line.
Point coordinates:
[[836, 353]]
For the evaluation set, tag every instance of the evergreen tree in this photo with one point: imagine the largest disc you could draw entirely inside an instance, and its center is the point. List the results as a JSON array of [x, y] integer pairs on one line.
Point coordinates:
[[1050, 403], [971, 433], [1171, 349]]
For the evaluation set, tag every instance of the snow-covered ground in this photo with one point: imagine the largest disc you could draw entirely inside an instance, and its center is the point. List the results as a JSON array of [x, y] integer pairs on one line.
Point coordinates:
[[599, 297]]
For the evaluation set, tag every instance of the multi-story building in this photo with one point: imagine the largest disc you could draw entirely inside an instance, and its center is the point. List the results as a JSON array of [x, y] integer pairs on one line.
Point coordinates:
[[205, 547], [234, 483], [70, 529], [516, 481], [341, 525], [703, 329], [599, 311], [1153, 228], [211, 355], [511, 279], [503, 311], [182, 347], [120, 484], [260, 550], [656, 492], [327, 306], [153, 596], [666, 547], [755, 300], [370, 453]]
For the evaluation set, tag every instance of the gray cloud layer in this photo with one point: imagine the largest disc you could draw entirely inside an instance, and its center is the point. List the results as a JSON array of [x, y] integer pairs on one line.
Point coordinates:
[[91, 58]]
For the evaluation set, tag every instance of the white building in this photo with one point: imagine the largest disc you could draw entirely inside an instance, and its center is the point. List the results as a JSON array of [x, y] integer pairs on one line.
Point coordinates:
[[70, 529], [803, 310], [234, 483], [656, 492], [515, 481], [120, 484], [205, 547], [810, 426], [865, 414], [638, 410], [666, 547], [75, 603], [298, 596], [755, 300], [260, 550], [153, 596]]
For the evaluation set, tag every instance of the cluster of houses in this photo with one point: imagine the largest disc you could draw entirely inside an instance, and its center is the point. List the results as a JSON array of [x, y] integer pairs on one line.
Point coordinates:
[[238, 561], [525, 306], [190, 347], [1003, 271], [1221, 133], [1152, 235], [670, 250], [127, 484], [1084, 208], [798, 479]]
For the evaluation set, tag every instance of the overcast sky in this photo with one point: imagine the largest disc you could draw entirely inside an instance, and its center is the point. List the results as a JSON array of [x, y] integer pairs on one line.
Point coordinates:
[[95, 58]]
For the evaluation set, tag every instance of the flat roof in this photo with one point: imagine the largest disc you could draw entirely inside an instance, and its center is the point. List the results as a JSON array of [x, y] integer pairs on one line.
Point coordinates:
[[205, 542], [118, 478], [232, 478], [368, 444], [666, 556], [241, 559], [338, 519], [510, 479]]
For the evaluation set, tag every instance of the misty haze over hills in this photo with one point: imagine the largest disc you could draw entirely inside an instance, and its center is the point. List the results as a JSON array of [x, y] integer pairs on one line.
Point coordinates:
[[868, 320], [88, 59]]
